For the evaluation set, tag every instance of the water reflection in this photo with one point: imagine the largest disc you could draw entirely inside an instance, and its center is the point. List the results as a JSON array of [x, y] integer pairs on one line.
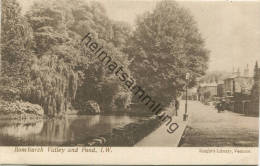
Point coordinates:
[[22, 129], [72, 130]]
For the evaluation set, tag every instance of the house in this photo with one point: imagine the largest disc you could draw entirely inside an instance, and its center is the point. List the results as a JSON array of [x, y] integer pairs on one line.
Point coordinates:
[[191, 94], [229, 86], [220, 89], [239, 91], [237, 84], [206, 91]]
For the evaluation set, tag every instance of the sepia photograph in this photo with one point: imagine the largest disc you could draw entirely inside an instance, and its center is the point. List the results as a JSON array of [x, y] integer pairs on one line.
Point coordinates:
[[88, 76]]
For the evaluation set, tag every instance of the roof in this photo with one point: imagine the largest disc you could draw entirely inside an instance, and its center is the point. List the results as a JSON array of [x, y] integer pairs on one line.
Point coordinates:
[[220, 82], [208, 84], [232, 77]]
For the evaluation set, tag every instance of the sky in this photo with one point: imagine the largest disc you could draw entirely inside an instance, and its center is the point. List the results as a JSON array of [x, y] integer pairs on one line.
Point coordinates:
[[231, 29]]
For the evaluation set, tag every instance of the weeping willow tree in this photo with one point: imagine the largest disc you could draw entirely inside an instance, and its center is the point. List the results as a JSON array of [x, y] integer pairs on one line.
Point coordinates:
[[54, 79], [54, 85], [42, 55], [99, 84], [62, 75]]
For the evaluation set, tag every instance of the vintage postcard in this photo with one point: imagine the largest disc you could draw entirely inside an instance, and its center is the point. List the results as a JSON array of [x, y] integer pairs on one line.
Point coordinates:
[[158, 82]]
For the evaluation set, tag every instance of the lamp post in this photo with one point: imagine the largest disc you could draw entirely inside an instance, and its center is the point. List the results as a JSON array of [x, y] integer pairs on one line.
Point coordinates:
[[185, 115]]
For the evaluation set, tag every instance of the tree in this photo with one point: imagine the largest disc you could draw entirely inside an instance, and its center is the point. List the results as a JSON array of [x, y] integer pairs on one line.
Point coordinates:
[[16, 43], [97, 83], [165, 45], [54, 74], [58, 27], [255, 93], [256, 72]]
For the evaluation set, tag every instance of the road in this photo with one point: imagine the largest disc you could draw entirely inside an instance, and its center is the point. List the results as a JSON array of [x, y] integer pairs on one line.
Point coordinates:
[[206, 127]]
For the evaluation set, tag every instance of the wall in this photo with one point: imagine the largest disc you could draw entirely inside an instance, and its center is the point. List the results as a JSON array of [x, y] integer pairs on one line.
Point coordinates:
[[220, 90]]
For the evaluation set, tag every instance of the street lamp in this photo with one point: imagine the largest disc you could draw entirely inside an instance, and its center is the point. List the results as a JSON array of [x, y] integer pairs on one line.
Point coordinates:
[[185, 115]]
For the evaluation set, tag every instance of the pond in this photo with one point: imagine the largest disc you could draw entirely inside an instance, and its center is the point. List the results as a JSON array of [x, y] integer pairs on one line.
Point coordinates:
[[71, 131]]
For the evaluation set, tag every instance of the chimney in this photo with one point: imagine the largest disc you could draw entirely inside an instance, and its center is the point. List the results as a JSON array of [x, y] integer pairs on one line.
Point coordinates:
[[246, 71]]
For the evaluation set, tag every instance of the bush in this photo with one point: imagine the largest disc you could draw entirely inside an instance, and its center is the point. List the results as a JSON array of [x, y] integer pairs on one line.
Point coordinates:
[[19, 108], [122, 100], [91, 107]]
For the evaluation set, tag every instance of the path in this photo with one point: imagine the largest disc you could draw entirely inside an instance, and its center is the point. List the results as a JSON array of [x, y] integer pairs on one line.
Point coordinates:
[[160, 137], [209, 128]]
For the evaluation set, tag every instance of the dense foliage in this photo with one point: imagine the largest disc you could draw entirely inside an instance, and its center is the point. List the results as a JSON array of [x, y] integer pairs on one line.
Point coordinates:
[[58, 74], [165, 46], [16, 44], [43, 61]]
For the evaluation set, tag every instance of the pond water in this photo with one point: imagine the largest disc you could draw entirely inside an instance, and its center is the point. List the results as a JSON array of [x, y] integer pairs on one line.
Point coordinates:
[[70, 131]]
